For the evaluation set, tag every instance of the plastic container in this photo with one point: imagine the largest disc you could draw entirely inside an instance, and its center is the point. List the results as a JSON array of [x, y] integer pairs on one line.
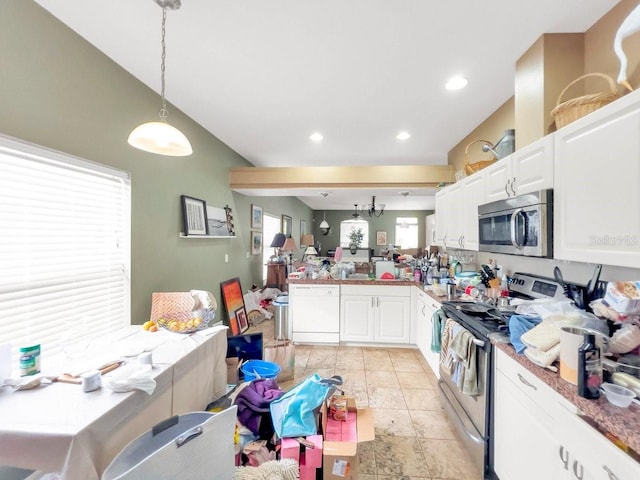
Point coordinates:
[[618, 395], [29, 360], [254, 369]]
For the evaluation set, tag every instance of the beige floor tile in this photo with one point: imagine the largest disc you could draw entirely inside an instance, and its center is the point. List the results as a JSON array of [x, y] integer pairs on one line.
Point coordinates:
[[301, 357], [321, 358], [431, 424], [347, 351], [378, 363], [407, 365], [392, 422], [413, 380], [375, 352], [367, 477], [352, 377], [411, 353], [323, 372], [391, 398], [360, 394], [366, 455], [448, 459], [386, 477], [381, 378], [422, 399], [399, 456], [352, 362]]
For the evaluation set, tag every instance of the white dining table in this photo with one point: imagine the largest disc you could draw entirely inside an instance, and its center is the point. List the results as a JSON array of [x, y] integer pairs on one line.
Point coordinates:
[[58, 428]]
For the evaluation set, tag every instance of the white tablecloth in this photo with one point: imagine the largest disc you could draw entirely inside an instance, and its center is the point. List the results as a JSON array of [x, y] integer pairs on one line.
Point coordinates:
[[59, 428]]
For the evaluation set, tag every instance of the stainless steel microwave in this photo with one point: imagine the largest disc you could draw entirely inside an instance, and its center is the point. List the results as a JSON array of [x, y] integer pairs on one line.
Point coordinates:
[[521, 225]]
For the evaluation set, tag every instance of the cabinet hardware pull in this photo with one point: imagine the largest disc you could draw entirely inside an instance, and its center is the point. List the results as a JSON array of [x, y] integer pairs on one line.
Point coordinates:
[[372, 302], [433, 236], [377, 301], [575, 470], [513, 185], [563, 457], [524, 380], [423, 307], [612, 476], [506, 188]]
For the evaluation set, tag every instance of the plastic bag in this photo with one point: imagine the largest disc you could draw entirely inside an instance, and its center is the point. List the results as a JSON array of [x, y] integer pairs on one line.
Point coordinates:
[[282, 354], [132, 377], [295, 413]]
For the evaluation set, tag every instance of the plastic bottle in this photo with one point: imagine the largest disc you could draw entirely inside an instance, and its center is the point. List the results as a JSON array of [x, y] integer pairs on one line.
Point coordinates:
[[589, 368], [504, 286]]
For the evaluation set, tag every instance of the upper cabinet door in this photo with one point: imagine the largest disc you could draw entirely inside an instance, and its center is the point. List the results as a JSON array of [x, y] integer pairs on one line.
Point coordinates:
[[532, 167], [472, 196], [498, 180], [597, 186]]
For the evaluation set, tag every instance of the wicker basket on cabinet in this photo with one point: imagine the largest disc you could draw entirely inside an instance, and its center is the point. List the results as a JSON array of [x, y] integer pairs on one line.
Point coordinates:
[[471, 168]]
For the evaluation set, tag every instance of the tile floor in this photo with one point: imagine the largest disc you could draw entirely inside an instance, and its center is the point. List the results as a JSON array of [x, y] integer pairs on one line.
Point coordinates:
[[414, 440]]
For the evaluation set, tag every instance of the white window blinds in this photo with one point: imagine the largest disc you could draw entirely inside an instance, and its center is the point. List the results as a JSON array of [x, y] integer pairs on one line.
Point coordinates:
[[64, 247]]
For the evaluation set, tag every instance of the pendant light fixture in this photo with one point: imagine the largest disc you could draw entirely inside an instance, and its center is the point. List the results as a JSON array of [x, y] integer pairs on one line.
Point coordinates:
[[371, 210], [324, 225], [160, 137]]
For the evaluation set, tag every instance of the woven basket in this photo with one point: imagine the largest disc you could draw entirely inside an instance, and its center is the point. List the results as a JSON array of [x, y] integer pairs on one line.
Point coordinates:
[[471, 168], [571, 110], [170, 304]]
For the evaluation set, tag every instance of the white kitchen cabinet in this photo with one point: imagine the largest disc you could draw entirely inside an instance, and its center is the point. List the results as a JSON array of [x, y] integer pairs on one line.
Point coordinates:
[[596, 194], [430, 230], [457, 213], [527, 170], [425, 308], [314, 313], [525, 447], [588, 454], [375, 314]]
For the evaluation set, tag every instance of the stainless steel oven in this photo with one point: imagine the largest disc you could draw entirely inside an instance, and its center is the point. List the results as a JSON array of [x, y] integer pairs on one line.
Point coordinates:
[[521, 225]]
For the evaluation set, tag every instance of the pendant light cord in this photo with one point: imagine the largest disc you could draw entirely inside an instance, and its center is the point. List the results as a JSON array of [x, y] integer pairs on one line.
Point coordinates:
[[163, 110]]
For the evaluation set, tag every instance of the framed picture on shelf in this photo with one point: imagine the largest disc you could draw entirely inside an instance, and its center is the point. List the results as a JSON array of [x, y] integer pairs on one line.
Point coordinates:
[[233, 304], [218, 222], [256, 217], [381, 238], [287, 225], [194, 216], [256, 243]]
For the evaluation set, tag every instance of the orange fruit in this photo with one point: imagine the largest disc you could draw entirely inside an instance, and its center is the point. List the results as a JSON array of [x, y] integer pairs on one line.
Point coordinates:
[[153, 328]]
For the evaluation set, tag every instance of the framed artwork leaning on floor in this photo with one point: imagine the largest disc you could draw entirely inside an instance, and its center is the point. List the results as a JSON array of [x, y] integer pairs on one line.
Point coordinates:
[[233, 301]]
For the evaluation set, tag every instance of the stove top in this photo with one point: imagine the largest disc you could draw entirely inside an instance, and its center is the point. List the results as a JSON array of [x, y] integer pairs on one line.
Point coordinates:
[[481, 324]]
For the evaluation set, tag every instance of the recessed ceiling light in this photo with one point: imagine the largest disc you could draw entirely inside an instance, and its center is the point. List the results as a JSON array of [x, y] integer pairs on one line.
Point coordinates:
[[316, 137], [403, 136], [456, 83]]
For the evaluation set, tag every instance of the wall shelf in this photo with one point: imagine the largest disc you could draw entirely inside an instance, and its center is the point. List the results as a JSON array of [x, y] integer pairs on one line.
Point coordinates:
[[182, 235]]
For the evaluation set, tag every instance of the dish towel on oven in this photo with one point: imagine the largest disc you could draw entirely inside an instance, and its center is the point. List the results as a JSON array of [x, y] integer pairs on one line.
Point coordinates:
[[446, 360], [465, 350], [437, 325]]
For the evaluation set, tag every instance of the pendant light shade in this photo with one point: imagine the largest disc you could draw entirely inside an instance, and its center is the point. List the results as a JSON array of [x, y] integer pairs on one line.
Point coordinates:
[[160, 137]]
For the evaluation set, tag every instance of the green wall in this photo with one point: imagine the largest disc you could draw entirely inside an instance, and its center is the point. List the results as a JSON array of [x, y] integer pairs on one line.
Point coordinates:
[[386, 222], [59, 91]]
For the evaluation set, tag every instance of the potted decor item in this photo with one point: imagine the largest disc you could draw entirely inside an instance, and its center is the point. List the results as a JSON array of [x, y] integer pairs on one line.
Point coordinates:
[[355, 240]]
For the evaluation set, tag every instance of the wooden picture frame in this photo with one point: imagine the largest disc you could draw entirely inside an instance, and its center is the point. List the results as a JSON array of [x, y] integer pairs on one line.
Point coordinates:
[[218, 222], [381, 238], [256, 243], [256, 217], [243, 322], [233, 301], [286, 225], [194, 216]]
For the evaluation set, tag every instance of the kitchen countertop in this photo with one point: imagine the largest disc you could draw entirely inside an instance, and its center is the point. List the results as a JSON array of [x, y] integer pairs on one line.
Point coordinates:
[[331, 281], [623, 423]]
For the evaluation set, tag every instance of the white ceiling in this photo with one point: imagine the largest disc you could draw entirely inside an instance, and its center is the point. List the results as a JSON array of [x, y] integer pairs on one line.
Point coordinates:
[[262, 75]]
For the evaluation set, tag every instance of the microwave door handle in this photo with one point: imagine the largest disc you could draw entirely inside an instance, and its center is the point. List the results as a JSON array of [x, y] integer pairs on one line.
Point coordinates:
[[514, 227]]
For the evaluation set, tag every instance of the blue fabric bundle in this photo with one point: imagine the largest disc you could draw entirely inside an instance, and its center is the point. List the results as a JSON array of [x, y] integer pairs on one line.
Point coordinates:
[[518, 325]]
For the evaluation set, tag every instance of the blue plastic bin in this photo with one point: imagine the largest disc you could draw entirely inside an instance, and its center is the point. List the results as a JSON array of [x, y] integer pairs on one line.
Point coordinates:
[[259, 369]]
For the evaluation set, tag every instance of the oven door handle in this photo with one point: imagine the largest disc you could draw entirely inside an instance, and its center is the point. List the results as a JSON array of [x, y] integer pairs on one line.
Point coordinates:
[[475, 438], [478, 342], [514, 229]]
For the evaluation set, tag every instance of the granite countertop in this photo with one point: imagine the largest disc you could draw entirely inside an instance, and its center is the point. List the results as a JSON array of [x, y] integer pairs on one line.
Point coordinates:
[[623, 423], [331, 281]]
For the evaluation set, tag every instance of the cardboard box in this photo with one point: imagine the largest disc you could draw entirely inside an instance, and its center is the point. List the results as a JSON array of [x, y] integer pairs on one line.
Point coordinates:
[[341, 439], [623, 297], [232, 370]]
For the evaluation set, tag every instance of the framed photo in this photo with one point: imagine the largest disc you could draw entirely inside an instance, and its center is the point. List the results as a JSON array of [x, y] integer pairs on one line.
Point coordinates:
[[243, 323], [381, 238], [256, 217], [233, 303], [218, 222], [194, 216], [256, 243], [287, 225]]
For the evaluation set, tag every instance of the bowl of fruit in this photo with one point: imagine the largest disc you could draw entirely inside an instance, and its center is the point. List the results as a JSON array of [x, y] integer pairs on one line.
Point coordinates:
[[187, 322]]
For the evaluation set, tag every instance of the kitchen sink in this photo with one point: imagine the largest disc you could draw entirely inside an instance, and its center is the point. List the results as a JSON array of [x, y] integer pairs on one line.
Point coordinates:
[[358, 276]]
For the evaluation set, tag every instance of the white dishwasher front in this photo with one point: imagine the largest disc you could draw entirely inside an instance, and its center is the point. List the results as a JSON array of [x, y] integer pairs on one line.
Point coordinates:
[[314, 313]]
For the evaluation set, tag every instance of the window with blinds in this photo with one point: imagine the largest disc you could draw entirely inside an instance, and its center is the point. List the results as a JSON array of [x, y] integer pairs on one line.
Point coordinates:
[[64, 248]]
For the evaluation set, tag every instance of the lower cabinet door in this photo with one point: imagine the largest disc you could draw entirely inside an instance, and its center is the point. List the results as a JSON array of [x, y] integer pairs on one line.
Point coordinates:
[[524, 443], [393, 319], [356, 318]]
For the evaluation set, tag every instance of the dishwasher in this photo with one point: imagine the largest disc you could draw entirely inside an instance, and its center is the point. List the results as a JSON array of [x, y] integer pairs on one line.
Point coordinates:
[[314, 313]]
